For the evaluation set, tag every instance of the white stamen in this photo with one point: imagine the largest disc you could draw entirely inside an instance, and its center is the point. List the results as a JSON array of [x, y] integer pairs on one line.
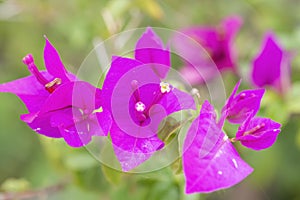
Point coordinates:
[[140, 107], [165, 87]]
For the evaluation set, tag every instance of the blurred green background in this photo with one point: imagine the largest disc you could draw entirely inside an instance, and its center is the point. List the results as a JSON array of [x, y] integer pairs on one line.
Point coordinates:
[[49, 169]]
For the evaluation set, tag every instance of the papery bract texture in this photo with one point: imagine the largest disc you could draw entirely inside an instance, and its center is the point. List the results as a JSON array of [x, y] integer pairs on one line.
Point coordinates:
[[210, 161], [272, 67], [217, 43], [138, 102], [239, 107], [59, 105], [150, 49], [258, 133]]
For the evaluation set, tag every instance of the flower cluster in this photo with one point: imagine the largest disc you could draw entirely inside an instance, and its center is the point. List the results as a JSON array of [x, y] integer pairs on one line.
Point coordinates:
[[209, 156], [56, 108], [135, 99], [271, 67], [218, 47]]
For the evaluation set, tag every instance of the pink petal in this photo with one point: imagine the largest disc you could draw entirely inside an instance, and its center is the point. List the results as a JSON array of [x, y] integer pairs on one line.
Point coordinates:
[[263, 135], [201, 45], [119, 67], [53, 62], [232, 95], [74, 138], [79, 94], [75, 134], [198, 64], [29, 90], [160, 105], [104, 122], [232, 25], [132, 151], [242, 107], [122, 100], [210, 161], [150, 49], [177, 100], [238, 107], [41, 124], [117, 90], [272, 66]]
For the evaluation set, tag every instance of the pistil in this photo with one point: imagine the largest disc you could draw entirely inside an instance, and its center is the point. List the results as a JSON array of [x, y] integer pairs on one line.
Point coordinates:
[[50, 86], [254, 129], [28, 60]]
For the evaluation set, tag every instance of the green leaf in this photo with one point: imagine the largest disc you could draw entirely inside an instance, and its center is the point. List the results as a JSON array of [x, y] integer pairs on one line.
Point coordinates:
[[274, 107], [80, 161], [163, 190], [113, 176], [15, 185], [168, 128], [293, 103], [119, 7], [152, 8], [177, 166], [91, 179], [298, 139], [181, 136]]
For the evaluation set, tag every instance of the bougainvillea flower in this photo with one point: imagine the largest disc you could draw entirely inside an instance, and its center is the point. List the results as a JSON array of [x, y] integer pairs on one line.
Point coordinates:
[[35, 89], [48, 96], [217, 43], [271, 67], [210, 161], [150, 49], [138, 101], [258, 133], [72, 111], [239, 107]]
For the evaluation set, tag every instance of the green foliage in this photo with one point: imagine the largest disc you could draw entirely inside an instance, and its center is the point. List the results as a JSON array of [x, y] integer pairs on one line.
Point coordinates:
[[112, 176], [15, 185], [32, 163]]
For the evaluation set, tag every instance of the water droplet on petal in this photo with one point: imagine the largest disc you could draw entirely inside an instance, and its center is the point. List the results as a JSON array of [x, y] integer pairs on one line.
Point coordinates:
[[220, 172]]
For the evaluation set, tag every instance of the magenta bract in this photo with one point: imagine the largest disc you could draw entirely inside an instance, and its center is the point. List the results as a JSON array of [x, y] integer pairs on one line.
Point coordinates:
[[210, 161], [258, 133], [272, 67], [139, 100], [239, 107], [217, 43], [56, 109]]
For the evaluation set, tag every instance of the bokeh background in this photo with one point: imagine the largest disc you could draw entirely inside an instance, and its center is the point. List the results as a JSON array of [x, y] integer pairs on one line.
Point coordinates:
[[39, 168]]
